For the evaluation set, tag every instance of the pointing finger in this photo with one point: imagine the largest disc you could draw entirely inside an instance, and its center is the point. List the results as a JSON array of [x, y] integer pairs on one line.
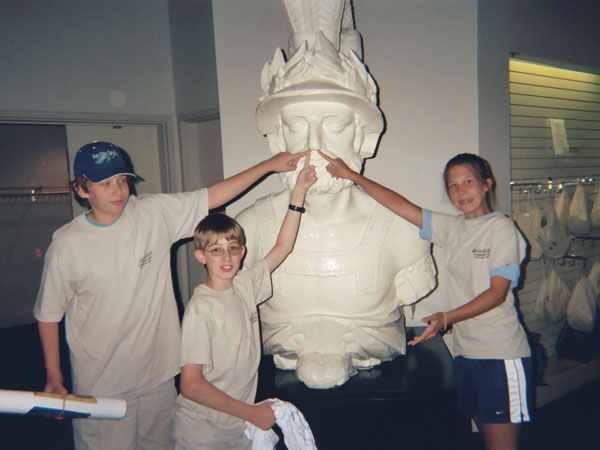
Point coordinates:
[[297, 157], [327, 157], [307, 159]]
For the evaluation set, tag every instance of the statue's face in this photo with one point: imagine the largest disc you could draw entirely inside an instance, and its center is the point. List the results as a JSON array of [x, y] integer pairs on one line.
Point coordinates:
[[327, 126]]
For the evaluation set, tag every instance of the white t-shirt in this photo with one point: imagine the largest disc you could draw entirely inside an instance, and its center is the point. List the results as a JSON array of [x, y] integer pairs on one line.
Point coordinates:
[[114, 284], [476, 250], [221, 331]]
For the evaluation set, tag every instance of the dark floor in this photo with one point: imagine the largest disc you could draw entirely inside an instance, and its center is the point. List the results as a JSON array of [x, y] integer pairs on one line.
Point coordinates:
[[572, 422]]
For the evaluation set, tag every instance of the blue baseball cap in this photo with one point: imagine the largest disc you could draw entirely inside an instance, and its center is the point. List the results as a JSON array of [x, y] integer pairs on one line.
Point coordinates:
[[99, 161]]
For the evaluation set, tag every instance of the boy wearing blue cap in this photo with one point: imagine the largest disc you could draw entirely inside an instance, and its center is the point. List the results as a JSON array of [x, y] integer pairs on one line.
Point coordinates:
[[109, 271]]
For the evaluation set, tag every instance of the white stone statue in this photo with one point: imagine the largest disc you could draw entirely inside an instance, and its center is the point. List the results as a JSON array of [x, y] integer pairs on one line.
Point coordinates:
[[336, 299]]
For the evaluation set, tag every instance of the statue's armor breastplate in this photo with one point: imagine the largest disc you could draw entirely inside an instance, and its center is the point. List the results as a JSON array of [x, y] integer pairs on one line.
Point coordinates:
[[348, 283]]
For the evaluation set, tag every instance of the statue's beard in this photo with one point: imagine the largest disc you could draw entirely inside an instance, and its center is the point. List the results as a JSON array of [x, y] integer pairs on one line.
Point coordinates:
[[325, 183]]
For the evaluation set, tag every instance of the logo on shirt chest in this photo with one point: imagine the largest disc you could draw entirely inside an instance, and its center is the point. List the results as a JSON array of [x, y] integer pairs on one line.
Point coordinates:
[[481, 253], [253, 318], [145, 259]]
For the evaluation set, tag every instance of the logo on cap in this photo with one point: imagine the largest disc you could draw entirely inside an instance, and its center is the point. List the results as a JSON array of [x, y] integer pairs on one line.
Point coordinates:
[[106, 156]]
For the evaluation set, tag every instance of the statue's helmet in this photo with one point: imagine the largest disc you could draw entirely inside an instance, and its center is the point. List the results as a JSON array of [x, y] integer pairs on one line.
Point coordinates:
[[317, 71]]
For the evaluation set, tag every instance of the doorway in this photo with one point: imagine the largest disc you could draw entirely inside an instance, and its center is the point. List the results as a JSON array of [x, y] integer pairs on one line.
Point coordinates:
[[35, 199]]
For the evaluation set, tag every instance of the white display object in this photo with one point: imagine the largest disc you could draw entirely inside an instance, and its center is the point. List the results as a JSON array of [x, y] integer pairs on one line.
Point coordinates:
[[56, 405], [559, 136], [336, 299]]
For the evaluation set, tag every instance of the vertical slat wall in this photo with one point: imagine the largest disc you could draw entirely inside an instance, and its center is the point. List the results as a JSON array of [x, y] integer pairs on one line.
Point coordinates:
[[538, 93]]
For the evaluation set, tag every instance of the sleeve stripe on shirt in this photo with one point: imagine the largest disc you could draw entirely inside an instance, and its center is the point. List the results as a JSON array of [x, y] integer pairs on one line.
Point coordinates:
[[425, 231], [509, 271]]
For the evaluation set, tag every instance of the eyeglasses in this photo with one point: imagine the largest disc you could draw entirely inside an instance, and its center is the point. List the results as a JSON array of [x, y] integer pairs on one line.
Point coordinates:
[[234, 250]]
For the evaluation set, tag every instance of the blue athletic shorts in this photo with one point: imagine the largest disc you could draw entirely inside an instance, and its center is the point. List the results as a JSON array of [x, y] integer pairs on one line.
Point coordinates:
[[494, 390]]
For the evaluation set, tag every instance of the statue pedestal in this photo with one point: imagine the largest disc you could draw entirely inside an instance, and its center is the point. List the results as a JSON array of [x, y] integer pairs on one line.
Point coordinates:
[[407, 403]]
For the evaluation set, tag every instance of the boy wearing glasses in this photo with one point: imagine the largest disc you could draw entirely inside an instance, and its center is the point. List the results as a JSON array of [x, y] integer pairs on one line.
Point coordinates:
[[220, 350]]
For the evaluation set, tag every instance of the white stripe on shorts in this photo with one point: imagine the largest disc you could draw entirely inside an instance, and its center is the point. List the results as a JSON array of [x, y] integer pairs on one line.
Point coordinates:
[[517, 390]]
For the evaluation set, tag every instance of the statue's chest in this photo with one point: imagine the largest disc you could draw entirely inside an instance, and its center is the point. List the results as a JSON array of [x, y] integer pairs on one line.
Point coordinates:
[[351, 257]]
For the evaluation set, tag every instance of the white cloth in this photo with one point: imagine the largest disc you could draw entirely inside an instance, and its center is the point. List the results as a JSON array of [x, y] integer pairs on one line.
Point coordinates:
[[578, 220], [477, 250], [297, 434], [552, 234], [552, 298], [221, 332], [261, 439], [528, 219], [114, 284], [581, 310], [595, 212], [562, 204], [542, 297], [594, 277]]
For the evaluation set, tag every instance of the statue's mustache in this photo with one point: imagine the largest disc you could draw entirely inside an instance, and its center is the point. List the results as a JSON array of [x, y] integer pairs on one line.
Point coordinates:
[[325, 182], [321, 163]]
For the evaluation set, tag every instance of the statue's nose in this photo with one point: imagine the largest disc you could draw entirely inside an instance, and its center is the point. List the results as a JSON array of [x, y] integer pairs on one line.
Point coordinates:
[[314, 137]]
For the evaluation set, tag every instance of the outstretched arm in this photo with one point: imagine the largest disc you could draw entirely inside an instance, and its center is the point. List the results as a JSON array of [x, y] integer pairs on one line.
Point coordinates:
[[289, 228], [488, 299], [388, 198], [196, 388], [226, 190], [50, 346]]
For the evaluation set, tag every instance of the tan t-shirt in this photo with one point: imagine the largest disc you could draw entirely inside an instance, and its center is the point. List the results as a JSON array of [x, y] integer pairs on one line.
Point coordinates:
[[221, 331], [476, 250], [114, 284]]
